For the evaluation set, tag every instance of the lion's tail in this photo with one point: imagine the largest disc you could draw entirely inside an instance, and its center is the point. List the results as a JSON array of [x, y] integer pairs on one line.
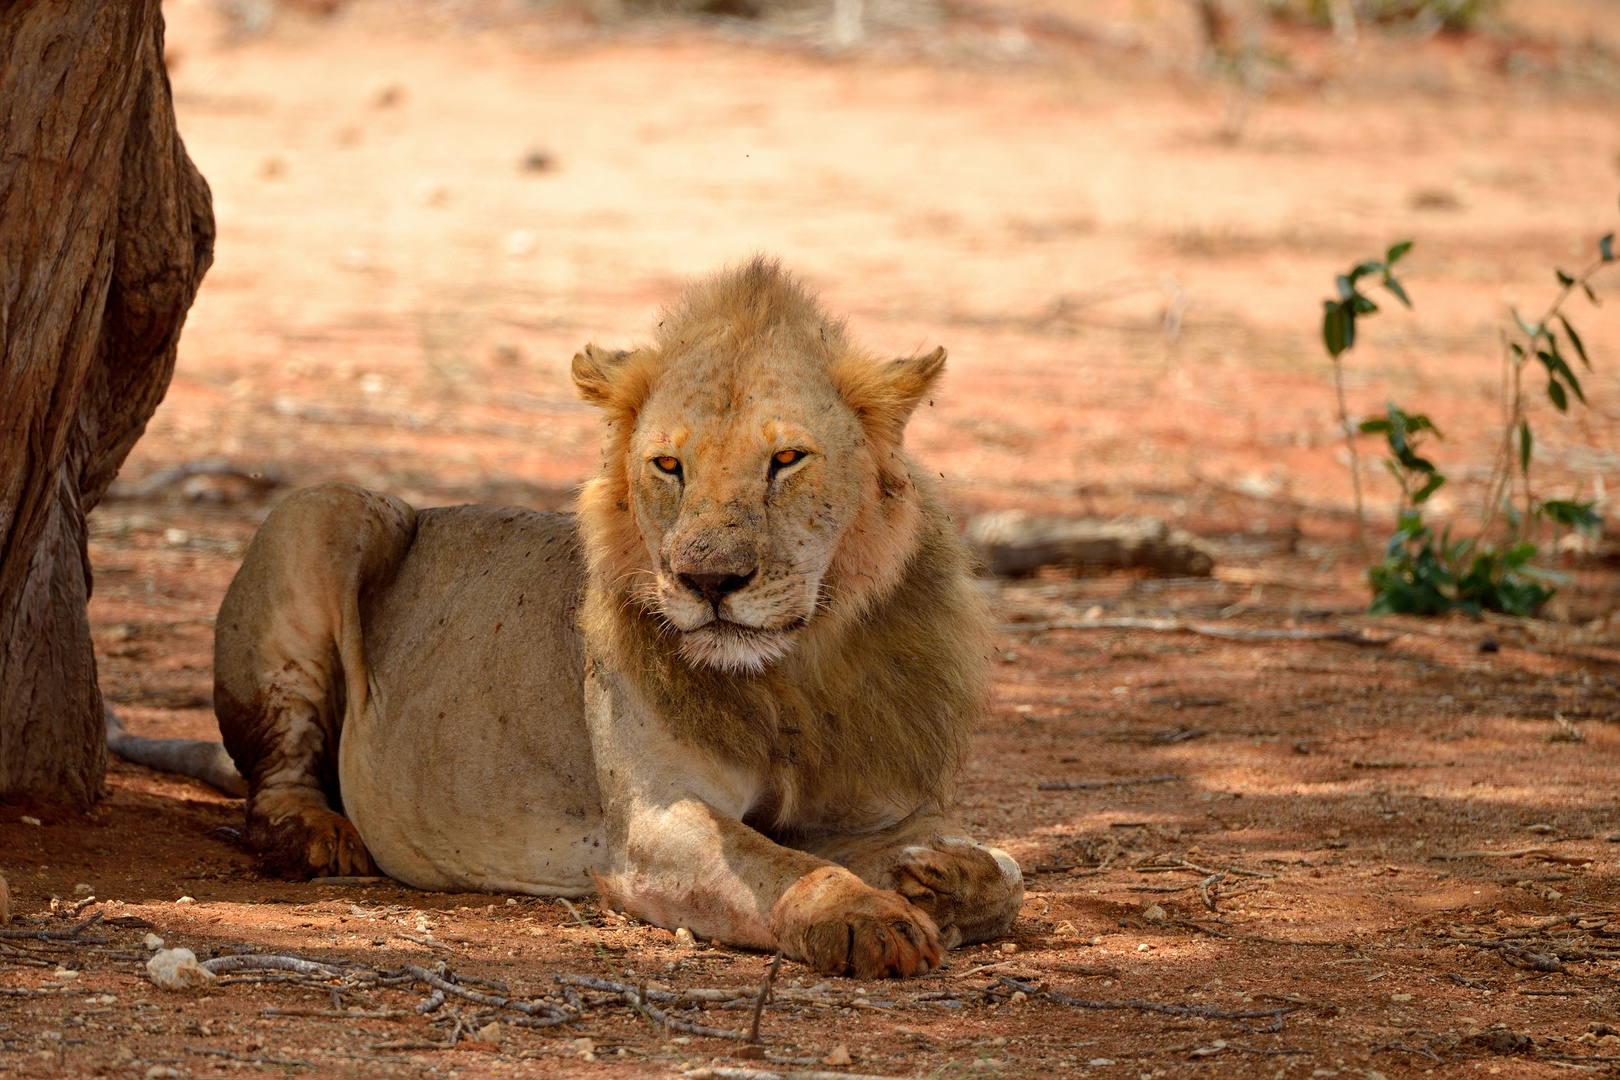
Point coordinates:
[[200, 759]]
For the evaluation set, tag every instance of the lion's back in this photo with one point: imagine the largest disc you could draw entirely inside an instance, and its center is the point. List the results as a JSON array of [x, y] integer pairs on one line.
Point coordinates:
[[471, 764]]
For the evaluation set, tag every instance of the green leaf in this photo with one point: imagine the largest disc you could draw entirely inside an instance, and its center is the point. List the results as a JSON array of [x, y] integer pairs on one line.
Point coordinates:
[[1531, 332], [1590, 295], [1518, 350], [1364, 269], [1606, 248], [1395, 254], [1574, 515], [1526, 445], [1338, 327], [1559, 398], [1395, 287], [1374, 427], [1347, 286], [1575, 340], [1421, 495], [1564, 279]]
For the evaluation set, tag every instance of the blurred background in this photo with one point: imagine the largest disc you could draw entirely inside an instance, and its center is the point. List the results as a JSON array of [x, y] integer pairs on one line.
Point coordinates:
[[1120, 216]]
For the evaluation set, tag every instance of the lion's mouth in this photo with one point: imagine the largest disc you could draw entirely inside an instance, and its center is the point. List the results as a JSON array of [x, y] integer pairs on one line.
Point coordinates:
[[736, 647]]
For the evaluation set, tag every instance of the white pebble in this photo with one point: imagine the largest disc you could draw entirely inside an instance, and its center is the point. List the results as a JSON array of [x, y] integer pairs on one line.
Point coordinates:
[[177, 969], [152, 941]]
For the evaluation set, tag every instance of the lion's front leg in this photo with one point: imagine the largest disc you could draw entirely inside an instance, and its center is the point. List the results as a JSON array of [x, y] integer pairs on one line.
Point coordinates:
[[680, 855], [972, 892]]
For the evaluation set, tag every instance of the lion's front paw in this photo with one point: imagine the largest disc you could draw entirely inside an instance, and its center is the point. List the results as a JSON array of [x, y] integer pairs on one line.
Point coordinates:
[[310, 842], [836, 923], [973, 893]]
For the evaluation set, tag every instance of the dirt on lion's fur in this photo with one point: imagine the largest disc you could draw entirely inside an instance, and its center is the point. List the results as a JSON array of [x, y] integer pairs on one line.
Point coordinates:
[[1323, 844]]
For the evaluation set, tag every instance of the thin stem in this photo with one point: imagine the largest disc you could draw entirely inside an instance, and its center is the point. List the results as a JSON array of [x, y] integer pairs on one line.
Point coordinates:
[[1355, 459]]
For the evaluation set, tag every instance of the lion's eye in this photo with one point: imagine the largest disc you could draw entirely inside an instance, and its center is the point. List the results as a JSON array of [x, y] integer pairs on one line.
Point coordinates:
[[783, 458], [667, 464]]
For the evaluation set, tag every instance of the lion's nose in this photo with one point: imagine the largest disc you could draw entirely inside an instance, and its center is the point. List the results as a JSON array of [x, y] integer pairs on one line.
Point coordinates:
[[716, 587]]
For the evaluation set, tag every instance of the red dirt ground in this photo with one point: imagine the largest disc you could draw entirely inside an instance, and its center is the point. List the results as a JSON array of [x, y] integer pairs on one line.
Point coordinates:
[[1408, 826]]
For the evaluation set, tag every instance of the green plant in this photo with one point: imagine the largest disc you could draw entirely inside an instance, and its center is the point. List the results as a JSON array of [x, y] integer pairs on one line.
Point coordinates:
[[1339, 335], [1451, 15], [1543, 342], [1425, 573]]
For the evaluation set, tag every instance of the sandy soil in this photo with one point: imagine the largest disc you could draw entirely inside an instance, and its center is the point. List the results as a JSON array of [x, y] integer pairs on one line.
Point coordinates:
[[1411, 830]]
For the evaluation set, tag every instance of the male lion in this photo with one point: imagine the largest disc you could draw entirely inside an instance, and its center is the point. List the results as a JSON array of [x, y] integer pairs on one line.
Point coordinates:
[[733, 697]]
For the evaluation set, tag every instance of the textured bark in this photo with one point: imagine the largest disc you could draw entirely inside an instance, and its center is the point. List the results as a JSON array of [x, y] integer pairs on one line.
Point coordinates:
[[1010, 543], [106, 230]]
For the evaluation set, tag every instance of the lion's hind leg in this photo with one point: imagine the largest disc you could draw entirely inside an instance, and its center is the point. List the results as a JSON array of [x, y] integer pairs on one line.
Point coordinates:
[[289, 663]]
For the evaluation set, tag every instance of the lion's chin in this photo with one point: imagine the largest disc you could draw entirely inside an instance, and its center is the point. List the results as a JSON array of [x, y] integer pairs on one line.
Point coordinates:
[[734, 648]]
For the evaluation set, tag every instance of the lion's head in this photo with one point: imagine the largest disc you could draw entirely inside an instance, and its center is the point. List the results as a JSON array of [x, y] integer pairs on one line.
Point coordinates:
[[753, 476]]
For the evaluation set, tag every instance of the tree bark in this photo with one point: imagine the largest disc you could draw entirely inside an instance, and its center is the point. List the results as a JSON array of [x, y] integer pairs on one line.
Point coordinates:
[[106, 229]]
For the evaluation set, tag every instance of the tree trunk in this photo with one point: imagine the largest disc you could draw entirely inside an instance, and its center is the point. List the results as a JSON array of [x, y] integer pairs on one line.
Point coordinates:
[[106, 229]]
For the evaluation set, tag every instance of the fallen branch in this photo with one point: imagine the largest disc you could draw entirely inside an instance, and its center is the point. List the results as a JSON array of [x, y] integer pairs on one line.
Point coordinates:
[[531, 1008], [1545, 854], [256, 1059], [1226, 633], [1099, 785], [1207, 1012], [640, 998], [251, 962]]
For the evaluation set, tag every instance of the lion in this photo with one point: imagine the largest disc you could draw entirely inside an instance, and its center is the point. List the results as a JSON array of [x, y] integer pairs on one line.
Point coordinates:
[[731, 695]]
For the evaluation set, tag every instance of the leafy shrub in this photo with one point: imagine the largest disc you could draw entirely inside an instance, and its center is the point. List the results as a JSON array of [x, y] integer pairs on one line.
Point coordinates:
[[1452, 15]]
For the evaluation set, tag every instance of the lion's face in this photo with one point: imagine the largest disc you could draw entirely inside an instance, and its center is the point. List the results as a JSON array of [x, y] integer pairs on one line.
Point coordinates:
[[742, 489], [754, 477]]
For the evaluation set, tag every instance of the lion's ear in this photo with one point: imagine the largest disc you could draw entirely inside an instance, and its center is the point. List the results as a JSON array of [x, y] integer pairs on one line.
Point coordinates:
[[884, 395], [613, 378]]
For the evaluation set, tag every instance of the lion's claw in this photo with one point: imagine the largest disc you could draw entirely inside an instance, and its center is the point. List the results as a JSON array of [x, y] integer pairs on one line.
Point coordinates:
[[834, 922]]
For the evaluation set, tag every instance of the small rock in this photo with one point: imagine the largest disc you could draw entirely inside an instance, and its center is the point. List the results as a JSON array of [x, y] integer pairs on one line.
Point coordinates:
[[839, 1056], [186, 900], [177, 969], [1154, 913], [157, 1071], [26, 820], [1009, 948], [583, 1046], [64, 974], [511, 901], [1501, 1042], [1539, 827], [81, 889], [1018, 997], [1400, 998], [152, 941], [684, 938], [490, 1033], [1098, 1063], [1489, 645]]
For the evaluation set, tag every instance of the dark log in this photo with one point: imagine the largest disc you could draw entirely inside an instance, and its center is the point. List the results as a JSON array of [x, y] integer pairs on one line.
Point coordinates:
[[106, 229], [1011, 543]]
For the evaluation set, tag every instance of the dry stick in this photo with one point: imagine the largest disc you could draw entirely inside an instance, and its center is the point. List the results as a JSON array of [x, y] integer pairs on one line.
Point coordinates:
[[380, 1014], [1208, 1012], [531, 1008], [257, 1059], [74, 933], [634, 997], [1226, 633], [433, 1003], [220, 964], [764, 993], [1099, 785], [727, 1072], [1355, 458], [1204, 887]]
